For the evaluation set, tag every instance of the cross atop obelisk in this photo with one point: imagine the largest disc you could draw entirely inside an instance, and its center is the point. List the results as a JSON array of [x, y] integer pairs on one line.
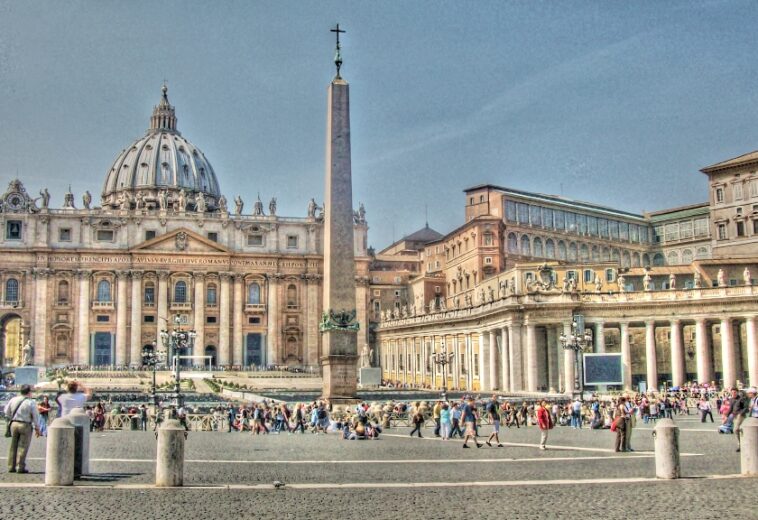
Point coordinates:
[[337, 53], [339, 326]]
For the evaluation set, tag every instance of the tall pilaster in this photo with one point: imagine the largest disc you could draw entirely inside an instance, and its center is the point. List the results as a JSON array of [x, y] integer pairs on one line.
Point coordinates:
[[650, 356], [135, 339], [728, 357], [237, 313], [516, 364], [224, 351], [122, 303], [752, 349], [552, 359], [531, 358], [677, 354], [272, 317], [484, 354], [505, 385], [703, 357], [40, 315], [163, 316], [339, 326], [493, 362], [83, 320], [198, 319], [600, 337], [626, 356], [569, 363]]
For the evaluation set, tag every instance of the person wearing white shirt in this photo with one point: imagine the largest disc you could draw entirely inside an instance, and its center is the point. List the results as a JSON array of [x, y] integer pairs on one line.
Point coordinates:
[[21, 413], [74, 398]]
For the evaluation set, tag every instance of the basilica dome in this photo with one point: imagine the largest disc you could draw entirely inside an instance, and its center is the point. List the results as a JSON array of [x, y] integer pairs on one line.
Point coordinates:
[[161, 164]]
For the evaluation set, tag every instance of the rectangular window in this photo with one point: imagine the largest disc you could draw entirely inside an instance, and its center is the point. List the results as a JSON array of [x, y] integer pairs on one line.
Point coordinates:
[[560, 220], [149, 294], [547, 218], [255, 240], [589, 276], [523, 213], [685, 229], [292, 242], [738, 191], [672, 232], [488, 260], [634, 233], [148, 318], [722, 231], [755, 227], [719, 195], [644, 234], [510, 211], [13, 230], [754, 188], [210, 319], [437, 289], [592, 225], [210, 295], [64, 234], [581, 224], [740, 229], [488, 240], [610, 275], [104, 235], [149, 234], [535, 215], [103, 318], [701, 227], [571, 275], [602, 227], [658, 232], [613, 227], [624, 231], [570, 222], [212, 235]]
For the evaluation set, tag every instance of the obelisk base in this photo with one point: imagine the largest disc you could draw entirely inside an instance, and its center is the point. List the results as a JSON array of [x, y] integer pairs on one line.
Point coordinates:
[[339, 376]]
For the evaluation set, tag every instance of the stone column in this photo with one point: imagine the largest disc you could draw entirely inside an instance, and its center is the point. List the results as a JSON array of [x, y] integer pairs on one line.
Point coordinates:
[[83, 320], [313, 316], [163, 316], [752, 349], [626, 356], [516, 364], [728, 357], [272, 317], [40, 316], [484, 356], [678, 374], [702, 332], [224, 350], [531, 358], [198, 319], [424, 359], [122, 303], [238, 315], [650, 356], [569, 362], [600, 337], [505, 383], [135, 340], [456, 372], [493, 359], [552, 359]]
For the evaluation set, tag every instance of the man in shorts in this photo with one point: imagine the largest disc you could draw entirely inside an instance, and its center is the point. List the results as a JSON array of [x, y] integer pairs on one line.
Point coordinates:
[[493, 411], [469, 419]]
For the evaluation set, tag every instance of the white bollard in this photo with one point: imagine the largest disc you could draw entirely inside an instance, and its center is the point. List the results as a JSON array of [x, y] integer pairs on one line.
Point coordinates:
[[749, 447], [59, 460], [169, 470], [80, 420], [666, 436]]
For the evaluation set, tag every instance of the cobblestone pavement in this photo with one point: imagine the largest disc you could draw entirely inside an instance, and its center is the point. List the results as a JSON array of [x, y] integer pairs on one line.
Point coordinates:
[[418, 478]]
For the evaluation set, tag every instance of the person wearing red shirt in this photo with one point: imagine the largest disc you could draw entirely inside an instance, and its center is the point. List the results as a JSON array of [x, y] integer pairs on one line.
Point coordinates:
[[545, 423]]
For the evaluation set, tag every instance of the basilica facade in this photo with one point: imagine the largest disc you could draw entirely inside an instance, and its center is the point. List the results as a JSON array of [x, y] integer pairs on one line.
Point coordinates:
[[93, 285]]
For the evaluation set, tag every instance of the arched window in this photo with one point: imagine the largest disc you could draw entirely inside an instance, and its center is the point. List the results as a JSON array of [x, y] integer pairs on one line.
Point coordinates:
[[606, 254], [687, 256], [615, 255], [584, 253], [595, 254], [573, 252], [526, 248], [291, 295], [549, 248], [636, 260], [673, 258], [645, 260], [63, 291], [11, 290], [658, 260], [538, 247], [254, 294], [180, 292], [626, 259], [103, 291], [210, 294], [561, 250], [702, 252], [512, 243]]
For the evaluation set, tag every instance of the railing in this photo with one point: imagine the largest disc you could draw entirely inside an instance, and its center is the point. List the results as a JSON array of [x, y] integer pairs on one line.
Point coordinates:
[[6, 304], [181, 306], [255, 307], [102, 304]]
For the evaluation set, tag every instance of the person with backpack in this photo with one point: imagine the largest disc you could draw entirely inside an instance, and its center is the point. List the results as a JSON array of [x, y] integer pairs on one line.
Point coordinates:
[[545, 423], [23, 417]]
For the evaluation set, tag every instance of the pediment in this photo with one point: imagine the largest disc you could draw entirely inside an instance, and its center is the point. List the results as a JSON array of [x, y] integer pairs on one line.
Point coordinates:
[[180, 241]]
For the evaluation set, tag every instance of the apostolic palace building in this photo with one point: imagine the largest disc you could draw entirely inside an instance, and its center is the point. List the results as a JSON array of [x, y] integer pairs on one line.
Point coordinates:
[[674, 292], [94, 285]]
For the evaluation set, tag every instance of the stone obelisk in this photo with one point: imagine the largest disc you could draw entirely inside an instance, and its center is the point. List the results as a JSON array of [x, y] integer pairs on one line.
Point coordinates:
[[338, 325]]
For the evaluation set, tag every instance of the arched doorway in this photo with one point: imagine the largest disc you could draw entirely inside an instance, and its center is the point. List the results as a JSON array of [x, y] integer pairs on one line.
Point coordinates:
[[11, 340], [210, 350]]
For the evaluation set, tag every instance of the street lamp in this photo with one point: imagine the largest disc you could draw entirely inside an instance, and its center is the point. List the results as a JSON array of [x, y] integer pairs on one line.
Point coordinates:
[[578, 340], [443, 359], [151, 358], [175, 342]]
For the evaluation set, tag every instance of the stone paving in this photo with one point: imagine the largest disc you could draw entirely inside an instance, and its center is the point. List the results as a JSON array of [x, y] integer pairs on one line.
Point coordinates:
[[397, 475]]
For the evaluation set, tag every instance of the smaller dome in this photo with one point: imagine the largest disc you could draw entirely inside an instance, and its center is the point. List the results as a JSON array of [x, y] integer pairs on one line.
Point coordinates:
[[160, 161]]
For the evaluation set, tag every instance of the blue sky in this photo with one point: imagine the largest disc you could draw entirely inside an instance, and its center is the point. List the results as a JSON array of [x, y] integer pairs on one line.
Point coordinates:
[[618, 103]]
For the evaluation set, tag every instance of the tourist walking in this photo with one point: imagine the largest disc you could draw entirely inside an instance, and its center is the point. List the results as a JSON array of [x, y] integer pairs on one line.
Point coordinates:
[[436, 411], [446, 418], [456, 415], [43, 408], [469, 419], [576, 413], [738, 408], [545, 423], [619, 425], [493, 411], [23, 417], [418, 422]]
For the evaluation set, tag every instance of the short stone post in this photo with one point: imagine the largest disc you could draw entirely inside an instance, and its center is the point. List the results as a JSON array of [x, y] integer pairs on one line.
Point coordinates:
[[169, 470], [80, 420], [666, 435], [59, 460], [749, 447]]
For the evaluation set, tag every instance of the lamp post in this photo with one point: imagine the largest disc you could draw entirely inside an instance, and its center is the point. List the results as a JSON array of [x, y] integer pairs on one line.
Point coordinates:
[[443, 359], [578, 341], [175, 342], [152, 358]]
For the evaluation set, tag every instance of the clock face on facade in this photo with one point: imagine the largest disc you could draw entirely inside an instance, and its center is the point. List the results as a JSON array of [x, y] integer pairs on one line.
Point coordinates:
[[14, 201]]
